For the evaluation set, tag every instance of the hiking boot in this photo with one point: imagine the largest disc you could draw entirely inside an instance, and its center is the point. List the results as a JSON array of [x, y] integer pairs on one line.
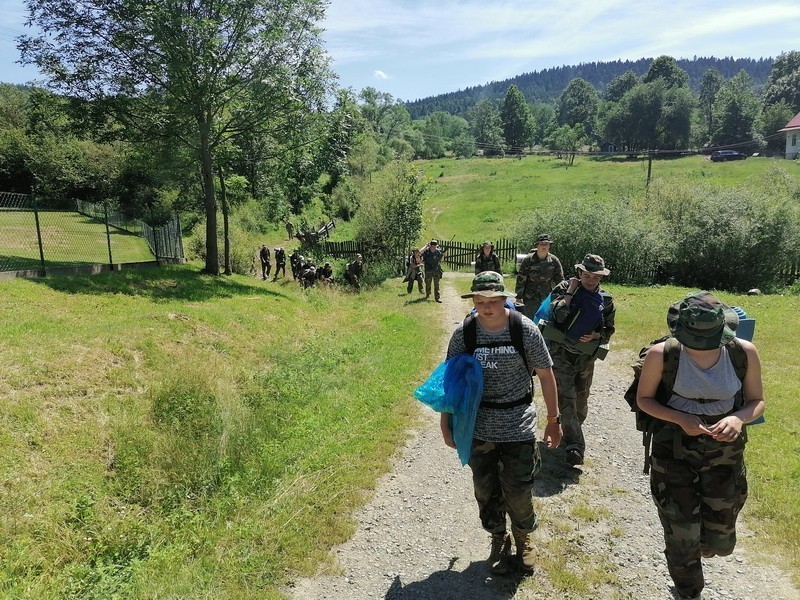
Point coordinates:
[[574, 457], [525, 557], [500, 554], [439, 300]]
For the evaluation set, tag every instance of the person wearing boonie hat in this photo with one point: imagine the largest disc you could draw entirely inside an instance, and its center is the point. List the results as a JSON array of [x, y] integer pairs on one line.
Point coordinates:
[[432, 259], [697, 471], [505, 455], [538, 274], [487, 260], [585, 313]]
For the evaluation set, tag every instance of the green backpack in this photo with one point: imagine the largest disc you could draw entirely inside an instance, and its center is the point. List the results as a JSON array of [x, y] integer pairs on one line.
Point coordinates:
[[647, 423]]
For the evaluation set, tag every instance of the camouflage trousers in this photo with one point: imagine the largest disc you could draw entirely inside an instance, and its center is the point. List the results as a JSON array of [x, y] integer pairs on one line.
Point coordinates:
[[432, 275], [502, 475], [574, 373], [699, 486]]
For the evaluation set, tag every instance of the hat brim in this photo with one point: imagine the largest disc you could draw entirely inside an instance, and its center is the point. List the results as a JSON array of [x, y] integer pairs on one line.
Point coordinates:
[[690, 339], [489, 294], [600, 272]]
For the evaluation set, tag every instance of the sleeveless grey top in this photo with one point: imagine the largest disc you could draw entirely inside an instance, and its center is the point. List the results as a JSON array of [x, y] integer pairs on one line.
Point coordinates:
[[701, 391]]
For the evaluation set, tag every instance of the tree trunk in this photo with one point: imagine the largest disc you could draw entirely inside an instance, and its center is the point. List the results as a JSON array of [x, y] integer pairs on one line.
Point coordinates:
[[209, 197], [223, 196]]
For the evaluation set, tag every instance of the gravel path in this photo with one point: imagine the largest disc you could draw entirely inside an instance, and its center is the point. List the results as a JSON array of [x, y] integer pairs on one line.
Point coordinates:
[[420, 537]]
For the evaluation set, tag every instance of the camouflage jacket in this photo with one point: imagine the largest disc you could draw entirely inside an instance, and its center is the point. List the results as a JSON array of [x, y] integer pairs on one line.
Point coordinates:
[[432, 260], [536, 276], [487, 263]]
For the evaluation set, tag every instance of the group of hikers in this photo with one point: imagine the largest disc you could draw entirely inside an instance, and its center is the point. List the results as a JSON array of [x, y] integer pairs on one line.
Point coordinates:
[[305, 270], [692, 387]]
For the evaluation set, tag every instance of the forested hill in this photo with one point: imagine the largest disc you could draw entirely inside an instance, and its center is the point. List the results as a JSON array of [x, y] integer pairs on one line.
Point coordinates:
[[547, 85]]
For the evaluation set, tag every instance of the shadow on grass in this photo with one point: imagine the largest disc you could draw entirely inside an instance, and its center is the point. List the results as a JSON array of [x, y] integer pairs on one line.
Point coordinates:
[[416, 300], [475, 582], [158, 284]]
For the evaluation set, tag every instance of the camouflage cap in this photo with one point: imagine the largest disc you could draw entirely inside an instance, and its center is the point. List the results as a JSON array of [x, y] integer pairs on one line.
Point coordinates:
[[593, 263], [433, 242], [544, 239], [701, 322], [487, 243], [488, 284]]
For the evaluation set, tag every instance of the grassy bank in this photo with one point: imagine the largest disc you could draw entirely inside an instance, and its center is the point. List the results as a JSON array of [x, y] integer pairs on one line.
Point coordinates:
[[167, 434]]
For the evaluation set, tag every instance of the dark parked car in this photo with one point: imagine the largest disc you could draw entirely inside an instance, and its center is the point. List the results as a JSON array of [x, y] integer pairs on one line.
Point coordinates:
[[723, 155]]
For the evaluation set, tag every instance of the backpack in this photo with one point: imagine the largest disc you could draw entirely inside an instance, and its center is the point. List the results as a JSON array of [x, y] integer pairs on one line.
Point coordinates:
[[514, 327], [648, 424]]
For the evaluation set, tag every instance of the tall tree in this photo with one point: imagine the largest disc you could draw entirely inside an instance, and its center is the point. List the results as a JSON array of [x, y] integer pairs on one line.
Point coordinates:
[[198, 71], [516, 117], [544, 118], [666, 69], [621, 85], [784, 81], [710, 85], [487, 127], [578, 104], [774, 117], [735, 111]]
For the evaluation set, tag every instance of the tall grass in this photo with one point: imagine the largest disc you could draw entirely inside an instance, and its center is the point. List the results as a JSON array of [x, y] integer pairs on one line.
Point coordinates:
[[166, 434]]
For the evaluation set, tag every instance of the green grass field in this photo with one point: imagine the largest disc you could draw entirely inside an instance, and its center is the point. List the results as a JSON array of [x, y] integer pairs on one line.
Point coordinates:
[[67, 239], [482, 198]]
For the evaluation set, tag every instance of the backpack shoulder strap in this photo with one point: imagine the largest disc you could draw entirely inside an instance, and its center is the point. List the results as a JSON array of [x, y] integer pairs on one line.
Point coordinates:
[[470, 332], [738, 357], [515, 329], [672, 355]]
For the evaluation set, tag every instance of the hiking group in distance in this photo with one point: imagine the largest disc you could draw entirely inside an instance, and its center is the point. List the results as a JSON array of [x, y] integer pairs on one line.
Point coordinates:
[[694, 393]]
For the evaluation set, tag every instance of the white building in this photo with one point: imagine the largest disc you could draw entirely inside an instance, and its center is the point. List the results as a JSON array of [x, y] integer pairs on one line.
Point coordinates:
[[792, 131]]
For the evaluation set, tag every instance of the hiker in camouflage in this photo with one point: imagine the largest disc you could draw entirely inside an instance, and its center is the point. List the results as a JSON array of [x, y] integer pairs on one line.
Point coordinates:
[[585, 313], [505, 456], [487, 260], [697, 476], [538, 274]]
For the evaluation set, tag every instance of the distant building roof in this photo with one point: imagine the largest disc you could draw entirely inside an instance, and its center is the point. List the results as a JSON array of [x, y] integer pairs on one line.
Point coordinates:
[[793, 124]]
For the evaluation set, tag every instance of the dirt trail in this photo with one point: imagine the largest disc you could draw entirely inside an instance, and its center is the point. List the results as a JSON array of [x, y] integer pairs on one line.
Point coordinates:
[[420, 537]]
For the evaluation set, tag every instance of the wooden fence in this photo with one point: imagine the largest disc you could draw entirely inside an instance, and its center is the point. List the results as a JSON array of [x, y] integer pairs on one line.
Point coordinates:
[[462, 254]]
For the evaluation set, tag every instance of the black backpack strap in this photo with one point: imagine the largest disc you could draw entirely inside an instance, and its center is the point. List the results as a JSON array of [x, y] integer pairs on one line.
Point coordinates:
[[470, 331], [515, 329]]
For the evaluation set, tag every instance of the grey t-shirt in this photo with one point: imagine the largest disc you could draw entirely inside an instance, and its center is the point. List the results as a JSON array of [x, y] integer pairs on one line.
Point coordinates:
[[505, 379]]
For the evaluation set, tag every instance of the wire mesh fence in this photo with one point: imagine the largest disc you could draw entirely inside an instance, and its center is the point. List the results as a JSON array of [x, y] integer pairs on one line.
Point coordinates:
[[34, 238]]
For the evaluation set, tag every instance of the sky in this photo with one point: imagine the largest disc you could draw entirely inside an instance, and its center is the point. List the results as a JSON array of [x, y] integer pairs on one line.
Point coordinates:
[[418, 48]]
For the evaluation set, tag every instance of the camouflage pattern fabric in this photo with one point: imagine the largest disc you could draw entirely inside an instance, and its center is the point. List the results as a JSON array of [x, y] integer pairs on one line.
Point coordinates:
[[502, 474], [699, 485], [536, 278], [574, 373], [487, 263], [432, 275]]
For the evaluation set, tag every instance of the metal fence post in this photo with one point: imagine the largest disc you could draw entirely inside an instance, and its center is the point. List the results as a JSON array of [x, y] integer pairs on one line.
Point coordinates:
[[42, 271], [108, 237]]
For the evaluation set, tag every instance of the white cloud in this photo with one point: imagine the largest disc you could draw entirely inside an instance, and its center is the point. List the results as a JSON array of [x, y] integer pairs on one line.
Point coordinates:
[[380, 75]]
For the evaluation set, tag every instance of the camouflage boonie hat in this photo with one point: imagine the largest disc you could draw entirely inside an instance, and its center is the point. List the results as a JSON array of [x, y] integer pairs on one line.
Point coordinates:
[[593, 263], [543, 239], [488, 284], [701, 322]]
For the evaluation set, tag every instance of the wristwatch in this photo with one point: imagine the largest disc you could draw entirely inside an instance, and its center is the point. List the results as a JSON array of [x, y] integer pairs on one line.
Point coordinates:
[[554, 419]]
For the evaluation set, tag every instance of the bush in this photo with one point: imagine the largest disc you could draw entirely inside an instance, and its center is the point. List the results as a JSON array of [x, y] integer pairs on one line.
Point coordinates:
[[688, 235]]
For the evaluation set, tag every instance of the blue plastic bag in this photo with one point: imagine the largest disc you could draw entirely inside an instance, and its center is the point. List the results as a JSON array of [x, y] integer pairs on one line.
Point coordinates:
[[456, 387], [543, 313]]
